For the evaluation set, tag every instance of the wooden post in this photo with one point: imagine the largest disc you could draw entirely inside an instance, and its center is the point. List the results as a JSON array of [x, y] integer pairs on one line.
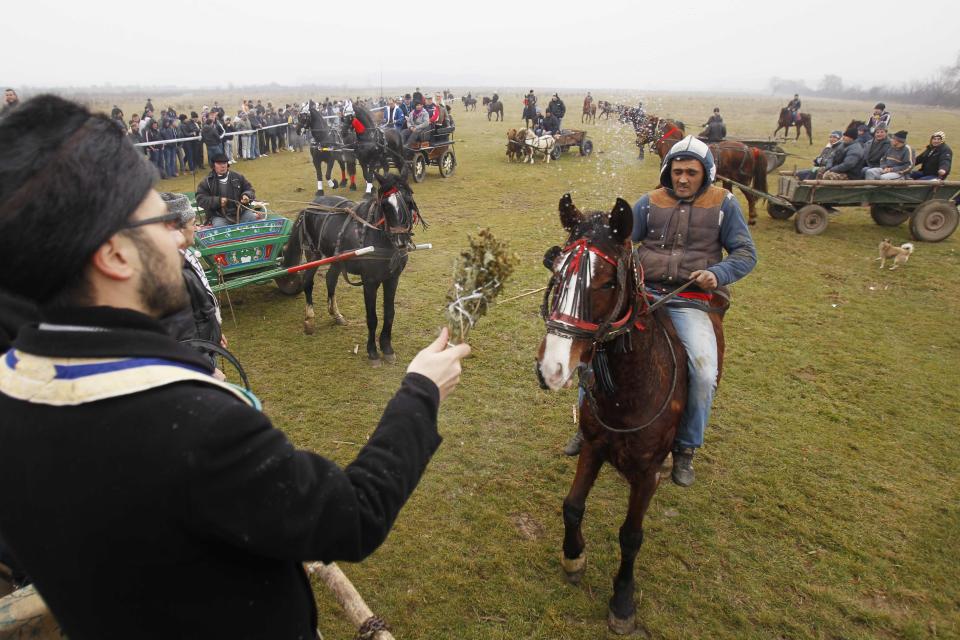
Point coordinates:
[[24, 614], [349, 598]]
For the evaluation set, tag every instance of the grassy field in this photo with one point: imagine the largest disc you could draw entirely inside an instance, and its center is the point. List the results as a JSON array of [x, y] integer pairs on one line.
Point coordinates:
[[827, 503]]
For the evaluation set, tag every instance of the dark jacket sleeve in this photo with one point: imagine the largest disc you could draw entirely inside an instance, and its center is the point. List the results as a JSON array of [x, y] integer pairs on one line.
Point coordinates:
[[205, 198], [946, 159], [253, 489], [247, 189]]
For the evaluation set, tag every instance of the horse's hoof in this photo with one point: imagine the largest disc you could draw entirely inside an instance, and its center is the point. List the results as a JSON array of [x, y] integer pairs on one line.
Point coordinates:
[[375, 362], [622, 627], [390, 358], [752, 221], [340, 320], [573, 568], [308, 327]]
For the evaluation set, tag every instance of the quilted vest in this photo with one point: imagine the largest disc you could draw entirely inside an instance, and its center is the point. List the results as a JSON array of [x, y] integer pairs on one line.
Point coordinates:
[[682, 237]]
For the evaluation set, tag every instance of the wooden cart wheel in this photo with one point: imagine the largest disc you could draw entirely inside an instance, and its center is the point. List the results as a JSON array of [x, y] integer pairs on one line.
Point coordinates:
[[779, 211], [419, 168], [934, 220], [886, 215], [811, 220], [447, 164], [586, 148], [291, 284], [556, 152]]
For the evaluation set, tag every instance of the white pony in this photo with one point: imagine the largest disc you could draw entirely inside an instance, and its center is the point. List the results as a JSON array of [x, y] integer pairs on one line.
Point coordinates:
[[541, 144]]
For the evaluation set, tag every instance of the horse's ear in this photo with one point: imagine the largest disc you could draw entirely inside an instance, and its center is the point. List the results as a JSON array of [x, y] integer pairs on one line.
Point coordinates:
[[570, 216], [621, 220]]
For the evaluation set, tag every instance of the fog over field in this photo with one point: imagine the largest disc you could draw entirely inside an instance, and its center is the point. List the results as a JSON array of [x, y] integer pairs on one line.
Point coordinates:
[[692, 46]]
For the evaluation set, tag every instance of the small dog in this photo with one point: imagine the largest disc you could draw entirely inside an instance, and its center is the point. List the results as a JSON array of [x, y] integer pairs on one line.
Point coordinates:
[[899, 254]]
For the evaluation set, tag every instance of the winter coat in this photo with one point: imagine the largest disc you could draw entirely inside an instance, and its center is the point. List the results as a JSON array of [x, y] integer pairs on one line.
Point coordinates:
[[933, 159]]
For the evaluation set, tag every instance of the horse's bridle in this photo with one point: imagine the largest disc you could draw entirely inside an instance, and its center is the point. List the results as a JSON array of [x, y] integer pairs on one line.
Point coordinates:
[[578, 324], [576, 263]]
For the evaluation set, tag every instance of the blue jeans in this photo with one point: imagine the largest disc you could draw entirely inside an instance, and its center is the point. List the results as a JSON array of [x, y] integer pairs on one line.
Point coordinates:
[[918, 175], [170, 160], [696, 333], [245, 216]]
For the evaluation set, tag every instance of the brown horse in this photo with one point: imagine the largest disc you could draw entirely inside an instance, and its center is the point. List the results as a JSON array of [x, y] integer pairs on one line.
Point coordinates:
[[589, 112], [515, 145], [734, 160], [786, 121], [634, 383]]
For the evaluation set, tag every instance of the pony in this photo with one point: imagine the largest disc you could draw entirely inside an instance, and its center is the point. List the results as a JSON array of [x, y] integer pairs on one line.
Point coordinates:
[[734, 160], [633, 378], [327, 148], [537, 144], [786, 120], [469, 104], [606, 109], [589, 112], [514, 145], [495, 107], [332, 225]]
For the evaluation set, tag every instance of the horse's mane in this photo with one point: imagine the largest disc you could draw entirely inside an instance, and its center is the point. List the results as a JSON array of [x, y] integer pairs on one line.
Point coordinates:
[[361, 113]]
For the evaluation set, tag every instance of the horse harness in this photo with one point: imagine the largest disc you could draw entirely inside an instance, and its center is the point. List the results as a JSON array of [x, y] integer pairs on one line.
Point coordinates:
[[578, 323]]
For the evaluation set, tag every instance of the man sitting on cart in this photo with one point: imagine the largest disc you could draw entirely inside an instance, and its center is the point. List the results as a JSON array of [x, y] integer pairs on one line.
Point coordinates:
[[847, 161], [896, 162], [418, 127], [821, 161], [935, 161], [550, 124], [225, 195]]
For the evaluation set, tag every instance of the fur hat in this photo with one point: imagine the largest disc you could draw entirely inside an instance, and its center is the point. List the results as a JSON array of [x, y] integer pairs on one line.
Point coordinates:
[[179, 203], [851, 133], [900, 135]]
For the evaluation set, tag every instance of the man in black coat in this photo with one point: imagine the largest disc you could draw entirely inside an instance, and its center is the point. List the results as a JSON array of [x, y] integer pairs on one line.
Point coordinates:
[[936, 160], [225, 195], [131, 478]]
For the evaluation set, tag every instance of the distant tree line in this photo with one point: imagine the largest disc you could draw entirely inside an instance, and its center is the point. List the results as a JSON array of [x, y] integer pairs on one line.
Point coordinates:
[[943, 90]]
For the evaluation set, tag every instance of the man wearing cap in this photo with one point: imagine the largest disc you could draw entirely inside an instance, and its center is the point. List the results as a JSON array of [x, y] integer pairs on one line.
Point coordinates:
[[863, 134], [129, 475], [821, 161], [897, 160], [225, 195], [201, 319], [935, 161], [683, 229], [418, 125], [879, 118], [847, 160], [875, 151]]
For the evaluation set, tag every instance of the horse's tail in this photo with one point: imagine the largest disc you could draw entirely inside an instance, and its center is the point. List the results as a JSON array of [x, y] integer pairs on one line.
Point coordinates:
[[293, 252], [759, 169]]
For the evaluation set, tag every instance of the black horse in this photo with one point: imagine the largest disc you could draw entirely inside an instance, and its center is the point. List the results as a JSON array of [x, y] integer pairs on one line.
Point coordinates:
[[336, 225], [374, 148], [327, 147]]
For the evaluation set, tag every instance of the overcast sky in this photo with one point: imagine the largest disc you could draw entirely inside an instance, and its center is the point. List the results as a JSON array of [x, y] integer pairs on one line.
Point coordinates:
[[687, 45]]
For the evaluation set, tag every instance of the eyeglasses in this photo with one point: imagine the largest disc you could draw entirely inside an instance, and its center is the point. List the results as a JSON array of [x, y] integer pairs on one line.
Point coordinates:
[[172, 219]]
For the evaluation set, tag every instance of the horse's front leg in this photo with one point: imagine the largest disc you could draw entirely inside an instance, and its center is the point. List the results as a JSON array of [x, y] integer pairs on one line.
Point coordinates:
[[370, 304], [389, 297], [574, 560], [332, 274], [622, 616], [309, 315]]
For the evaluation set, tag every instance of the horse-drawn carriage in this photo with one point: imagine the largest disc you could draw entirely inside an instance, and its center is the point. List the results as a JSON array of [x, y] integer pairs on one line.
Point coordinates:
[[566, 138], [437, 151], [930, 205]]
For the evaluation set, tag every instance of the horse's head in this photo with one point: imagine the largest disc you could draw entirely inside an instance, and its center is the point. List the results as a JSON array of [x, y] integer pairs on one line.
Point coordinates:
[[399, 209], [593, 292]]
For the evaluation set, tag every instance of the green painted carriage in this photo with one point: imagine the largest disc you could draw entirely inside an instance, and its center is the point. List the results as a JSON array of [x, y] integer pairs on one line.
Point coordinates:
[[238, 255]]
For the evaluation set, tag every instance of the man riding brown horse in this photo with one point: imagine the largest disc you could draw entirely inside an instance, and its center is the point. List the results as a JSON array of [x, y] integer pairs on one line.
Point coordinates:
[[683, 229]]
